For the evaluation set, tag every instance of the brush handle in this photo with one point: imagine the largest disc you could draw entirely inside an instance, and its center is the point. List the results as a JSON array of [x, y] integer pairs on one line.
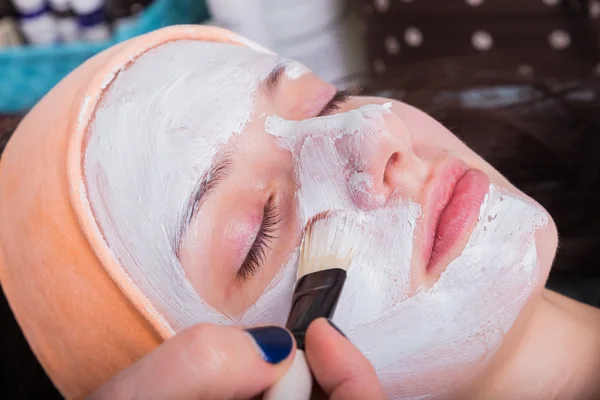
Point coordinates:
[[296, 384], [316, 295]]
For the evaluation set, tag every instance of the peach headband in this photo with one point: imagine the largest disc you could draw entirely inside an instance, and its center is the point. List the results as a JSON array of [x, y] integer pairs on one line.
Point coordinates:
[[82, 317]]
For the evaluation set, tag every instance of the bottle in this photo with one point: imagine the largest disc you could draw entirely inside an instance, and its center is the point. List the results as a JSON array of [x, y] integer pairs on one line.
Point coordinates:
[[36, 22], [9, 35], [244, 17], [91, 19], [66, 23], [124, 13]]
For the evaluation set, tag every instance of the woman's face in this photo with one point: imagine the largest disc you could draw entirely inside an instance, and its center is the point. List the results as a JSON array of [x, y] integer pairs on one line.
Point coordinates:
[[470, 240], [250, 223]]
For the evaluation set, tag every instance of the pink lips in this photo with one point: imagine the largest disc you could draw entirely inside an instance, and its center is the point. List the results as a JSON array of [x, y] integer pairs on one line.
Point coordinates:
[[453, 200]]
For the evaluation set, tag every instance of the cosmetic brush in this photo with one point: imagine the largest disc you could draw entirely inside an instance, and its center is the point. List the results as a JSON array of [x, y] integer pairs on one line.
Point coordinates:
[[325, 256]]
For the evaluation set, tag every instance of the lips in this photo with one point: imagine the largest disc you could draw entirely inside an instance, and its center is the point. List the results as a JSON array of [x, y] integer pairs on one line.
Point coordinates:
[[453, 199]]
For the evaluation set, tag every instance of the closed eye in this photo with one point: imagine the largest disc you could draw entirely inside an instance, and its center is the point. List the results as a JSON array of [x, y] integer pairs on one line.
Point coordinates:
[[334, 104], [262, 243]]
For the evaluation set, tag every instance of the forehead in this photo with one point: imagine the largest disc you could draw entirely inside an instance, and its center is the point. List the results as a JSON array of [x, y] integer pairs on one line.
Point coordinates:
[[180, 94]]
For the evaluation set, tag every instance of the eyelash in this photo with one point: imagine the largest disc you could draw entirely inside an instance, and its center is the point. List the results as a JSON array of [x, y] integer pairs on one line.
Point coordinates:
[[334, 104], [264, 237]]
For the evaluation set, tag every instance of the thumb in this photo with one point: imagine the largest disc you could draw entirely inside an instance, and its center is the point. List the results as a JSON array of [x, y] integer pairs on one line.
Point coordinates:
[[206, 362], [341, 369]]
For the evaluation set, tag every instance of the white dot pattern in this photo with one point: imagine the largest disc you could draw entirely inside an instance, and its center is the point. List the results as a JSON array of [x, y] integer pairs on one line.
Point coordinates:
[[399, 45], [382, 5], [559, 39], [525, 70], [594, 9], [392, 45], [413, 36], [378, 66], [482, 40], [474, 3]]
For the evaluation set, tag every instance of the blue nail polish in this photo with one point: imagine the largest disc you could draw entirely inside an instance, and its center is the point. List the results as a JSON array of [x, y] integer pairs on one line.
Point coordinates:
[[336, 328], [275, 343]]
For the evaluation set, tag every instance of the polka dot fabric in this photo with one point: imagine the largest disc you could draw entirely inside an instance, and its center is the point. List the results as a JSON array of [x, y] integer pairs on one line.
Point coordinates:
[[403, 32]]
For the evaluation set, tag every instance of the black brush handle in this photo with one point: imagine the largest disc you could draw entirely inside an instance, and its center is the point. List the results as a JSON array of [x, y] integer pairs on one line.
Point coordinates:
[[316, 296]]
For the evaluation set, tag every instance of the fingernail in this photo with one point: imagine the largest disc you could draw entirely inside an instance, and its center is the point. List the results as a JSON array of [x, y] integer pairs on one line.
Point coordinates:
[[336, 328], [275, 343]]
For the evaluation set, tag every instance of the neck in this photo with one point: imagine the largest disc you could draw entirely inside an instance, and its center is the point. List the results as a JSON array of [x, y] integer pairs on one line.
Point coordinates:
[[556, 356]]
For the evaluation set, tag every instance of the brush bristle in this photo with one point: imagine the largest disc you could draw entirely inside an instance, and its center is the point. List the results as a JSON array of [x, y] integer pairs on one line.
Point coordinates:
[[329, 242]]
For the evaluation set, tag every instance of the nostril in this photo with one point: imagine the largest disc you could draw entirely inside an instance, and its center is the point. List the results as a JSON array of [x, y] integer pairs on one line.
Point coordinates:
[[391, 166]]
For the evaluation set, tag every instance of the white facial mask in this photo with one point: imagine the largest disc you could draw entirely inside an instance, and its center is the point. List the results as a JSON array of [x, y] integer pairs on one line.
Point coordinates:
[[156, 133], [439, 332]]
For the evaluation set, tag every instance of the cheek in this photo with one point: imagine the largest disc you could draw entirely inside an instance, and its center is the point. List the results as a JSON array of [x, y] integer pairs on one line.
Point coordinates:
[[194, 254], [429, 142], [432, 140], [429, 136]]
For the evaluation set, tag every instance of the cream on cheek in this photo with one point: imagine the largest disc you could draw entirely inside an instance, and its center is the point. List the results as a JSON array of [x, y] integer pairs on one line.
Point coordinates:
[[425, 345]]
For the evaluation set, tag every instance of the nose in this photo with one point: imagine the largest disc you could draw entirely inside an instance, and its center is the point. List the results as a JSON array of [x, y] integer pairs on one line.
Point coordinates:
[[392, 164]]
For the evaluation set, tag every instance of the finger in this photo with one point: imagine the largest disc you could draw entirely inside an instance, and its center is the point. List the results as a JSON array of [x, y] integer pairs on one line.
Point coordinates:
[[207, 362], [338, 366]]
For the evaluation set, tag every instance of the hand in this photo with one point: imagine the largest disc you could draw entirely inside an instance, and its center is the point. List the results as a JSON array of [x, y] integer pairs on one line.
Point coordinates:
[[218, 362], [206, 361], [339, 367]]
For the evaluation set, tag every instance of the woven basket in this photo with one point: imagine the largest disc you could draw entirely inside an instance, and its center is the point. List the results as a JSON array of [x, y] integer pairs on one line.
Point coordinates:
[[27, 73]]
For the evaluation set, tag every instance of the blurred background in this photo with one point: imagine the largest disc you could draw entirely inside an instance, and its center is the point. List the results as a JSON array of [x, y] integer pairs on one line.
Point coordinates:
[[516, 80]]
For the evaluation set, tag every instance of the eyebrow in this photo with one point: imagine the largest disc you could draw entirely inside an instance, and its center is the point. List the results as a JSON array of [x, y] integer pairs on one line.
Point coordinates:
[[218, 171], [270, 84]]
